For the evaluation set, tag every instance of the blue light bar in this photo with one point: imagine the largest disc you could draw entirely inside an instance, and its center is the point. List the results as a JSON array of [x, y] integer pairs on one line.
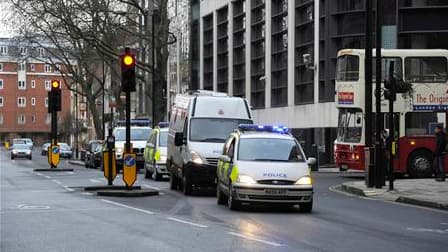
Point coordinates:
[[163, 124], [266, 128]]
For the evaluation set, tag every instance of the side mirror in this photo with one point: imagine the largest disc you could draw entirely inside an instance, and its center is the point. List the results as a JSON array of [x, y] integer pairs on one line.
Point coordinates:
[[179, 138], [224, 158], [311, 161]]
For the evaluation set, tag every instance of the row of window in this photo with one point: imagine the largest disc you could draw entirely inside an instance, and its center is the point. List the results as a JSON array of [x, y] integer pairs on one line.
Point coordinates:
[[21, 119], [21, 50], [21, 101], [22, 84], [22, 67]]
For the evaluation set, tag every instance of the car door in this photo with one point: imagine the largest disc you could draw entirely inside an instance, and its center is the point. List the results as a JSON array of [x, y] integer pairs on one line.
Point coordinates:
[[224, 165]]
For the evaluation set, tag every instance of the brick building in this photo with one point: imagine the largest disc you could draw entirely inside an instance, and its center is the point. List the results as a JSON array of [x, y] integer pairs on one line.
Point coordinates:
[[25, 80]]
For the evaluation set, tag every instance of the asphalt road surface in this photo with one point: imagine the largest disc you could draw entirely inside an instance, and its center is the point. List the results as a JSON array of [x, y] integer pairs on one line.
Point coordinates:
[[50, 211]]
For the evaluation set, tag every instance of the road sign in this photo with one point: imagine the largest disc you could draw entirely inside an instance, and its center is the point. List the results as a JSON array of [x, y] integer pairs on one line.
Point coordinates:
[[53, 155], [129, 169], [106, 163]]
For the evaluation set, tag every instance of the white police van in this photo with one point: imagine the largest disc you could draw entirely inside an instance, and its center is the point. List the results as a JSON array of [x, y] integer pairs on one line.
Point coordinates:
[[264, 164], [199, 125]]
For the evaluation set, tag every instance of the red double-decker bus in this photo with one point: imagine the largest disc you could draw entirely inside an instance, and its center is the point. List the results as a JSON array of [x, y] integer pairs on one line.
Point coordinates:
[[416, 114]]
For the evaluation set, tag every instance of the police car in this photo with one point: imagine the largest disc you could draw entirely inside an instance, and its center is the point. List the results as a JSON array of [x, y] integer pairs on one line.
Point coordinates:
[[264, 164], [155, 152]]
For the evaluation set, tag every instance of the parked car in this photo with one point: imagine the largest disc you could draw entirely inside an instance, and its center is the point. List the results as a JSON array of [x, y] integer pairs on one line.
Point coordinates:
[[21, 150], [65, 151], [44, 150], [96, 157], [90, 150]]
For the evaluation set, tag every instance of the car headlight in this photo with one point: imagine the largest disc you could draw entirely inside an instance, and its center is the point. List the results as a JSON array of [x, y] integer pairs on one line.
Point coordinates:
[[244, 179], [306, 180], [119, 151], [196, 158], [14, 152]]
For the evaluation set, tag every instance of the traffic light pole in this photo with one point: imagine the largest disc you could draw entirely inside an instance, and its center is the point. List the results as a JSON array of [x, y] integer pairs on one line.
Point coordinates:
[[391, 144], [128, 122], [368, 92], [54, 129], [379, 153]]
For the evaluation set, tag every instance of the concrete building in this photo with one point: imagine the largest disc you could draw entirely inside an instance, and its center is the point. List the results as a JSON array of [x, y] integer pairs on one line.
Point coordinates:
[[25, 79], [256, 49]]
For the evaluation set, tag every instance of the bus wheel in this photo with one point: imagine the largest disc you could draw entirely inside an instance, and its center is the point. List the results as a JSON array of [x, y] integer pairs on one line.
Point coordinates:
[[420, 164]]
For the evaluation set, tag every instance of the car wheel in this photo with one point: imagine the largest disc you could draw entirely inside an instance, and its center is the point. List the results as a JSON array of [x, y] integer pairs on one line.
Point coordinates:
[[220, 197], [30, 157], [420, 164], [232, 203], [147, 173], [306, 207], [12, 157], [187, 187], [156, 176]]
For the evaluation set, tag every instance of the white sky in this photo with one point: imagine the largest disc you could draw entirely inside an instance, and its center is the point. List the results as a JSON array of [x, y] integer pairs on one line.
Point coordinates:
[[6, 16]]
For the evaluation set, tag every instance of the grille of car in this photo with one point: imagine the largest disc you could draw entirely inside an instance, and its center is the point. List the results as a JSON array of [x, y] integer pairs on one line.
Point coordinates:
[[276, 182], [138, 150], [212, 161]]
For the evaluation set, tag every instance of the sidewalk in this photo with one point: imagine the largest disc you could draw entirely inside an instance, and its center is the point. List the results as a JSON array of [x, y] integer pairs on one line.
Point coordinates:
[[76, 162], [422, 192]]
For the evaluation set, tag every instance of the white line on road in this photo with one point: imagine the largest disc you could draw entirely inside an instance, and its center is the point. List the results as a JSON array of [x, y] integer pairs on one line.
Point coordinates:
[[48, 177], [69, 189], [95, 181], [56, 181], [87, 193], [122, 205], [187, 222], [151, 187], [38, 173], [251, 238], [70, 172]]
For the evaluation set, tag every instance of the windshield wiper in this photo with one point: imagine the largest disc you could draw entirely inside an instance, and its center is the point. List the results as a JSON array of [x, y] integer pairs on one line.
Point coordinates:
[[215, 140]]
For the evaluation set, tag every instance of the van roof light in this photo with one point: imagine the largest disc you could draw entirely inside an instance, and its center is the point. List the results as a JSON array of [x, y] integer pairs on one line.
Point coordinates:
[[266, 128]]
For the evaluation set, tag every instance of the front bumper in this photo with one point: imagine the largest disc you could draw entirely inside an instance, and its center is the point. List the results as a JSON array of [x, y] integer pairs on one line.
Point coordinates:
[[258, 193], [201, 175], [162, 169], [21, 154]]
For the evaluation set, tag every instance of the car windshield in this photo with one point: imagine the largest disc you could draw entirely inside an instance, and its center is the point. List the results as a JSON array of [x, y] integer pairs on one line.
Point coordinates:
[[270, 149], [65, 147], [20, 146], [213, 129], [350, 125], [136, 134], [18, 141], [163, 138]]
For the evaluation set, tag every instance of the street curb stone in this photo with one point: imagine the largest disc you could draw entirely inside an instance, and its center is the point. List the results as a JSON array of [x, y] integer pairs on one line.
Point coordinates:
[[76, 162], [128, 193], [353, 190], [420, 202]]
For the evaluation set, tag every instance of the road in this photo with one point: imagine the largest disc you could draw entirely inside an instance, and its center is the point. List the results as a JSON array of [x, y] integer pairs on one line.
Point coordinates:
[[49, 211]]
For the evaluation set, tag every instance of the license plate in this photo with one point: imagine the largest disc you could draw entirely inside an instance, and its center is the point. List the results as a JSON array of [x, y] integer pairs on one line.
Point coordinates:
[[275, 191]]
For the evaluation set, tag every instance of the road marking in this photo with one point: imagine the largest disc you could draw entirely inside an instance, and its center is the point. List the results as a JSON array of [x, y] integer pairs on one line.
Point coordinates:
[[31, 207], [87, 193], [151, 187], [430, 230], [70, 172], [69, 189], [95, 181], [251, 238], [48, 177], [443, 223], [187, 222], [126, 206], [56, 181], [38, 173]]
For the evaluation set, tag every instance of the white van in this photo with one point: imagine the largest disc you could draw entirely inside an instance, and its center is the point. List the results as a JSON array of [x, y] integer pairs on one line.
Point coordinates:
[[199, 125]]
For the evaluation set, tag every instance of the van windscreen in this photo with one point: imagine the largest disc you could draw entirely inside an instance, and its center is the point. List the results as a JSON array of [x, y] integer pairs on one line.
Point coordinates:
[[213, 129]]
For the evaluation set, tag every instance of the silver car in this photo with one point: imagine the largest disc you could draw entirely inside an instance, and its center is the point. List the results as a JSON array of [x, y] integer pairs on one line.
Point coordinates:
[[20, 150]]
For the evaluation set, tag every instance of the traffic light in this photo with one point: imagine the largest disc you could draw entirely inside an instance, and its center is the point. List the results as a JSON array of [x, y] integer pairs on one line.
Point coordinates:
[[127, 61], [390, 85], [54, 97]]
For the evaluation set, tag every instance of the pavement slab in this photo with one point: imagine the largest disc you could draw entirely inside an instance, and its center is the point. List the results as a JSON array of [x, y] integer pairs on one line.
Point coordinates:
[[422, 192]]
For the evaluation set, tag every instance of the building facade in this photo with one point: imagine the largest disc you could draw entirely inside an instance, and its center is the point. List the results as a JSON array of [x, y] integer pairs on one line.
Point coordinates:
[[278, 55], [24, 84]]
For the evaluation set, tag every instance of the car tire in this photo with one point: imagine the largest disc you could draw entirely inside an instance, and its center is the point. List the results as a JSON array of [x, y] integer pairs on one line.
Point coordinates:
[[306, 207], [187, 187], [12, 157], [148, 174], [156, 175], [420, 164], [220, 196], [232, 203], [30, 157]]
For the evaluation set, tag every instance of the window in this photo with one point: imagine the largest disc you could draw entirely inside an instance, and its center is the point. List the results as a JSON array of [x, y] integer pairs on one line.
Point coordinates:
[[47, 68], [347, 68], [385, 65], [1, 67], [33, 118], [1, 119], [271, 149], [32, 67], [3, 49], [33, 101], [1, 101], [22, 50], [21, 102], [47, 85], [426, 69], [419, 123], [22, 66], [33, 84], [41, 51], [21, 119], [46, 102], [1, 84], [22, 85]]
